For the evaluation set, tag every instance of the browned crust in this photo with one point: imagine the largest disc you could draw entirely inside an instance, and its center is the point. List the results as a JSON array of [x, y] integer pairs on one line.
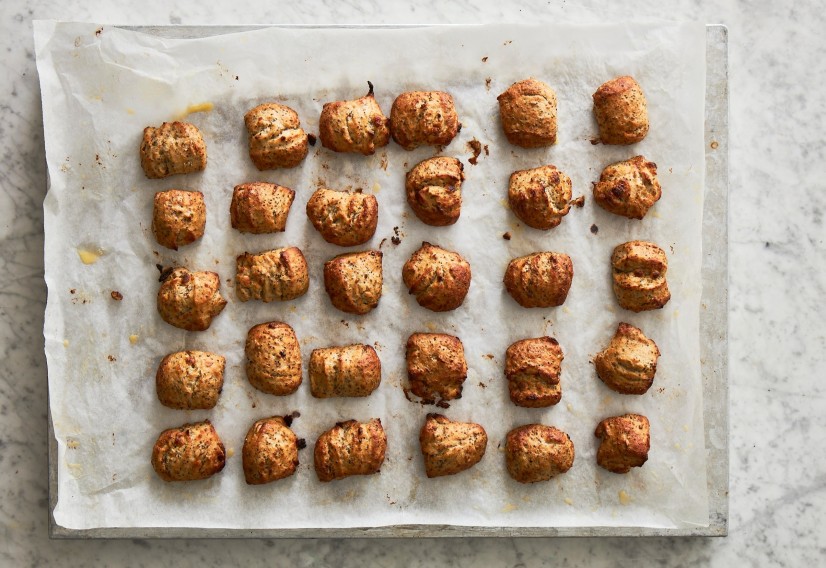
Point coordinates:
[[436, 366], [356, 126], [270, 451], [540, 197], [438, 278], [260, 207], [343, 218], [533, 368], [350, 448], [178, 217], [354, 281], [629, 363], [190, 380], [190, 300], [276, 139], [423, 118], [540, 280], [639, 276], [621, 111], [279, 274], [188, 453], [625, 443], [629, 188], [528, 114], [273, 358], [172, 148], [434, 190], [348, 371], [451, 447], [536, 452]]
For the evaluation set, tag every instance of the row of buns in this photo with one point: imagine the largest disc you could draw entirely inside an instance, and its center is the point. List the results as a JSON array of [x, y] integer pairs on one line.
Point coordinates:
[[533, 452]]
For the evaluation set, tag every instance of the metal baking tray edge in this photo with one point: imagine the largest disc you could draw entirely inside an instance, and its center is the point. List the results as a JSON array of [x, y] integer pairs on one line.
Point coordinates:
[[714, 354]]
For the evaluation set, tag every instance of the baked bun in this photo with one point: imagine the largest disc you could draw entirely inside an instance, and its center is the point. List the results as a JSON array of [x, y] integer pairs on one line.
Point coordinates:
[[279, 274], [625, 442], [536, 452], [354, 281], [178, 217], [350, 448], [621, 111], [436, 366], [451, 447], [273, 358], [638, 272], [352, 370], [276, 139], [540, 197], [190, 380], [270, 451], [434, 190], [172, 148], [343, 218], [260, 208], [356, 126], [533, 368], [629, 362], [540, 280], [628, 188], [528, 113], [190, 300], [439, 278], [423, 118], [188, 453]]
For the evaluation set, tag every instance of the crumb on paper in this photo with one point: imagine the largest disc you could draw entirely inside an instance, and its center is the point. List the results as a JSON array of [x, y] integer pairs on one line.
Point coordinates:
[[133, 339], [311, 139], [714, 144], [111, 358], [381, 244], [579, 202], [476, 147], [485, 59], [487, 83], [507, 236], [569, 501], [89, 255], [488, 356], [569, 406], [72, 444], [624, 498], [117, 296], [483, 385], [230, 452], [376, 187], [594, 229]]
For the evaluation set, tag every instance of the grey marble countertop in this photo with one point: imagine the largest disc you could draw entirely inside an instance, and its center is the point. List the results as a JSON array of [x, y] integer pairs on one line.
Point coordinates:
[[777, 334]]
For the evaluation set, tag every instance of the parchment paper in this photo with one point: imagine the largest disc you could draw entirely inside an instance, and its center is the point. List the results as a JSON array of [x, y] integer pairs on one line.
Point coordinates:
[[101, 86]]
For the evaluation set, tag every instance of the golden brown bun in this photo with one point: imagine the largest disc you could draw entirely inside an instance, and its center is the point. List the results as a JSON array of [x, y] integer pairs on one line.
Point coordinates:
[[436, 366], [350, 448], [189, 300], [451, 447], [625, 442], [356, 126], [537, 453], [172, 148], [439, 278], [190, 380], [354, 281], [343, 218], [191, 452], [279, 274], [273, 358], [528, 113], [639, 269], [628, 188], [533, 368], [434, 190], [621, 111], [629, 362], [352, 370], [260, 208], [178, 217], [540, 280], [276, 139], [270, 451], [423, 118], [540, 197]]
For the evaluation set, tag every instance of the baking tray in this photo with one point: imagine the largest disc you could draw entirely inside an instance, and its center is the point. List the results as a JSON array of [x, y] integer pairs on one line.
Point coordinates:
[[713, 339]]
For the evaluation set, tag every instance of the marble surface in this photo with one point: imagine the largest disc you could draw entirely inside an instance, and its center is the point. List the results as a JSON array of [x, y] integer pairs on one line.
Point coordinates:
[[777, 282]]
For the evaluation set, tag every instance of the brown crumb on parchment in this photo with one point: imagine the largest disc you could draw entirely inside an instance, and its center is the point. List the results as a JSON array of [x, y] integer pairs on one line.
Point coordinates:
[[594, 229], [578, 202], [117, 296], [485, 59], [487, 83], [476, 147], [506, 236]]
